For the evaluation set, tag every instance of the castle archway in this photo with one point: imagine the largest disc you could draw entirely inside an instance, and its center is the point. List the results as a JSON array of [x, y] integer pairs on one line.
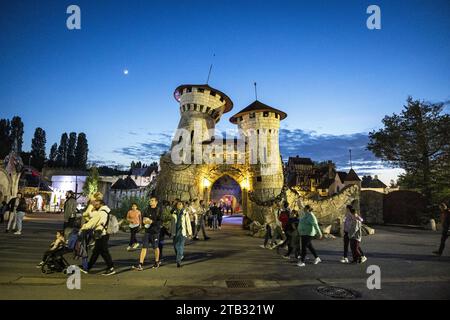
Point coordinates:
[[227, 193]]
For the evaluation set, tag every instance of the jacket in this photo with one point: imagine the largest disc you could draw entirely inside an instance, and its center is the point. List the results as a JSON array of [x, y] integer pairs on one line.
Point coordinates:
[[70, 208], [98, 221], [355, 230], [308, 225], [186, 228], [13, 204]]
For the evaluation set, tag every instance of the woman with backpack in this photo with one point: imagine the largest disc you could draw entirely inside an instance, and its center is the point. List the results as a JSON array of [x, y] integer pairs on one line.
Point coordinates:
[[99, 221]]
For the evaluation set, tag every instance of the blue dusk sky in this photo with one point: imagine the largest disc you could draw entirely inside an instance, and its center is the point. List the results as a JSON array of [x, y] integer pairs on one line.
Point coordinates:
[[315, 60]]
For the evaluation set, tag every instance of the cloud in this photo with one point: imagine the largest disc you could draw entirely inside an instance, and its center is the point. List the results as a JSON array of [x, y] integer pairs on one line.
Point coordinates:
[[322, 147]]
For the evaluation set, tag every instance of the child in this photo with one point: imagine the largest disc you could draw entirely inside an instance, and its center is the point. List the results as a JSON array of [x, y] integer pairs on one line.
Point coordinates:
[[55, 247], [134, 217], [355, 235]]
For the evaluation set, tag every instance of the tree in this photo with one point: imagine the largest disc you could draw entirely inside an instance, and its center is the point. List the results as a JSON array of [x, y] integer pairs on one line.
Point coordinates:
[[61, 159], [5, 138], [71, 149], [17, 132], [417, 140], [38, 148], [81, 151], [53, 155], [91, 185], [366, 180]]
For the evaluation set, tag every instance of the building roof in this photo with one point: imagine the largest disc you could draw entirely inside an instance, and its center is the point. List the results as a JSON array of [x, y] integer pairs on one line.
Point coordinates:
[[143, 172], [260, 107], [352, 176], [125, 184], [299, 160], [325, 184], [374, 183], [228, 102], [342, 175]]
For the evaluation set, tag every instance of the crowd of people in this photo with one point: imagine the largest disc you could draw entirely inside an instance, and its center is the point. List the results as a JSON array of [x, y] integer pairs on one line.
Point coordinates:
[[184, 220]]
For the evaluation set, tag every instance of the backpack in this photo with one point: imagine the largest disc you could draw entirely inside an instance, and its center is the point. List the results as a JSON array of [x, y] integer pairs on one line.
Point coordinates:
[[112, 225]]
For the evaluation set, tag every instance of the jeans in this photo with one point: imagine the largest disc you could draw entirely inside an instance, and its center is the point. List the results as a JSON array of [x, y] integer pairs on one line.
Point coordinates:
[[101, 248], [201, 226], [133, 232], [19, 219], [178, 245], [356, 250], [307, 244], [11, 221], [215, 222]]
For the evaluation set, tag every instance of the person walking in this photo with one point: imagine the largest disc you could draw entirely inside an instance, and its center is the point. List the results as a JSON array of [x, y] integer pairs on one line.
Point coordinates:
[[215, 210], [20, 214], [152, 223], [98, 223], [293, 238], [348, 220], [180, 230], [134, 218], [308, 228], [3, 210], [445, 222], [355, 235], [70, 212], [13, 204], [201, 217]]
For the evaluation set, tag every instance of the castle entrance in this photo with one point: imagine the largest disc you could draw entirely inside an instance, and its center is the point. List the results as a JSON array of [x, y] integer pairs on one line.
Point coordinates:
[[227, 194]]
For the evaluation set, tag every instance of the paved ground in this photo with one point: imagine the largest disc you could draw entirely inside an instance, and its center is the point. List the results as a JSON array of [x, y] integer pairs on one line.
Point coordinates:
[[408, 271]]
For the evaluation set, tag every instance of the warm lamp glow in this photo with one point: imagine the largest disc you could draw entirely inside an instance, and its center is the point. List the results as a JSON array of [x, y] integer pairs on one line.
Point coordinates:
[[206, 183], [245, 184]]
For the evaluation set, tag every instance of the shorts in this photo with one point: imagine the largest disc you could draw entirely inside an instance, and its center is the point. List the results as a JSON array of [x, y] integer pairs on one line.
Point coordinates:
[[150, 238]]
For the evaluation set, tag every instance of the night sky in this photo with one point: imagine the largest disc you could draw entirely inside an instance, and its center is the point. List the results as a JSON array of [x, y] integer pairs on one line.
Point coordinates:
[[315, 60]]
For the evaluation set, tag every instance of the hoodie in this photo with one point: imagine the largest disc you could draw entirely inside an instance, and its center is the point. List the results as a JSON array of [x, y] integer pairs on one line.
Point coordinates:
[[98, 221]]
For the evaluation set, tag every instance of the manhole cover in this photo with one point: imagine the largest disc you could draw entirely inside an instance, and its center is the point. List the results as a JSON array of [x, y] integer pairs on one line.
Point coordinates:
[[236, 284], [338, 293]]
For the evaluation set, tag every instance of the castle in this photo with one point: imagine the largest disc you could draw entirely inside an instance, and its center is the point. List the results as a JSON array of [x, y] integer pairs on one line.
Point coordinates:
[[198, 158]]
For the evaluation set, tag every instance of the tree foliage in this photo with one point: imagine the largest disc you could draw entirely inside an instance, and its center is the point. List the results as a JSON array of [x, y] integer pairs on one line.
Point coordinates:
[[417, 140]]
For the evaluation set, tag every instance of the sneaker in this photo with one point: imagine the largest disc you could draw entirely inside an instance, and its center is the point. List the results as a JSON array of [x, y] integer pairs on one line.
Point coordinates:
[[437, 253], [137, 268], [263, 246], [344, 260], [317, 260], [156, 265], [286, 257], [82, 270], [109, 272], [178, 265], [128, 248], [363, 259], [301, 264], [18, 233], [40, 264], [136, 245]]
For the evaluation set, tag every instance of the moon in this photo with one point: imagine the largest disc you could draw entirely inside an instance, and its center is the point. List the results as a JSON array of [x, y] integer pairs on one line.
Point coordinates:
[[125, 71]]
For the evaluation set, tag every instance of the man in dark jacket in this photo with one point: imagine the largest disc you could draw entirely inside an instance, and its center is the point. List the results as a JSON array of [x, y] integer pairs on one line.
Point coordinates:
[[70, 210], [12, 208], [445, 221]]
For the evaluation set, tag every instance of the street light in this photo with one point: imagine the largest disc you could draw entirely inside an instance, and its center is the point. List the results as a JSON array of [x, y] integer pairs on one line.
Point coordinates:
[[29, 160]]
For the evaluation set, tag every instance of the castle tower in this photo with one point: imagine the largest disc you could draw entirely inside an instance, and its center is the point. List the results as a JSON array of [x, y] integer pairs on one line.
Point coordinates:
[[201, 107], [260, 124]]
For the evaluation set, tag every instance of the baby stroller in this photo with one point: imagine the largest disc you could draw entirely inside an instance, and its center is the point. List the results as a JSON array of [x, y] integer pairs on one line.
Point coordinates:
[[55, 261]]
